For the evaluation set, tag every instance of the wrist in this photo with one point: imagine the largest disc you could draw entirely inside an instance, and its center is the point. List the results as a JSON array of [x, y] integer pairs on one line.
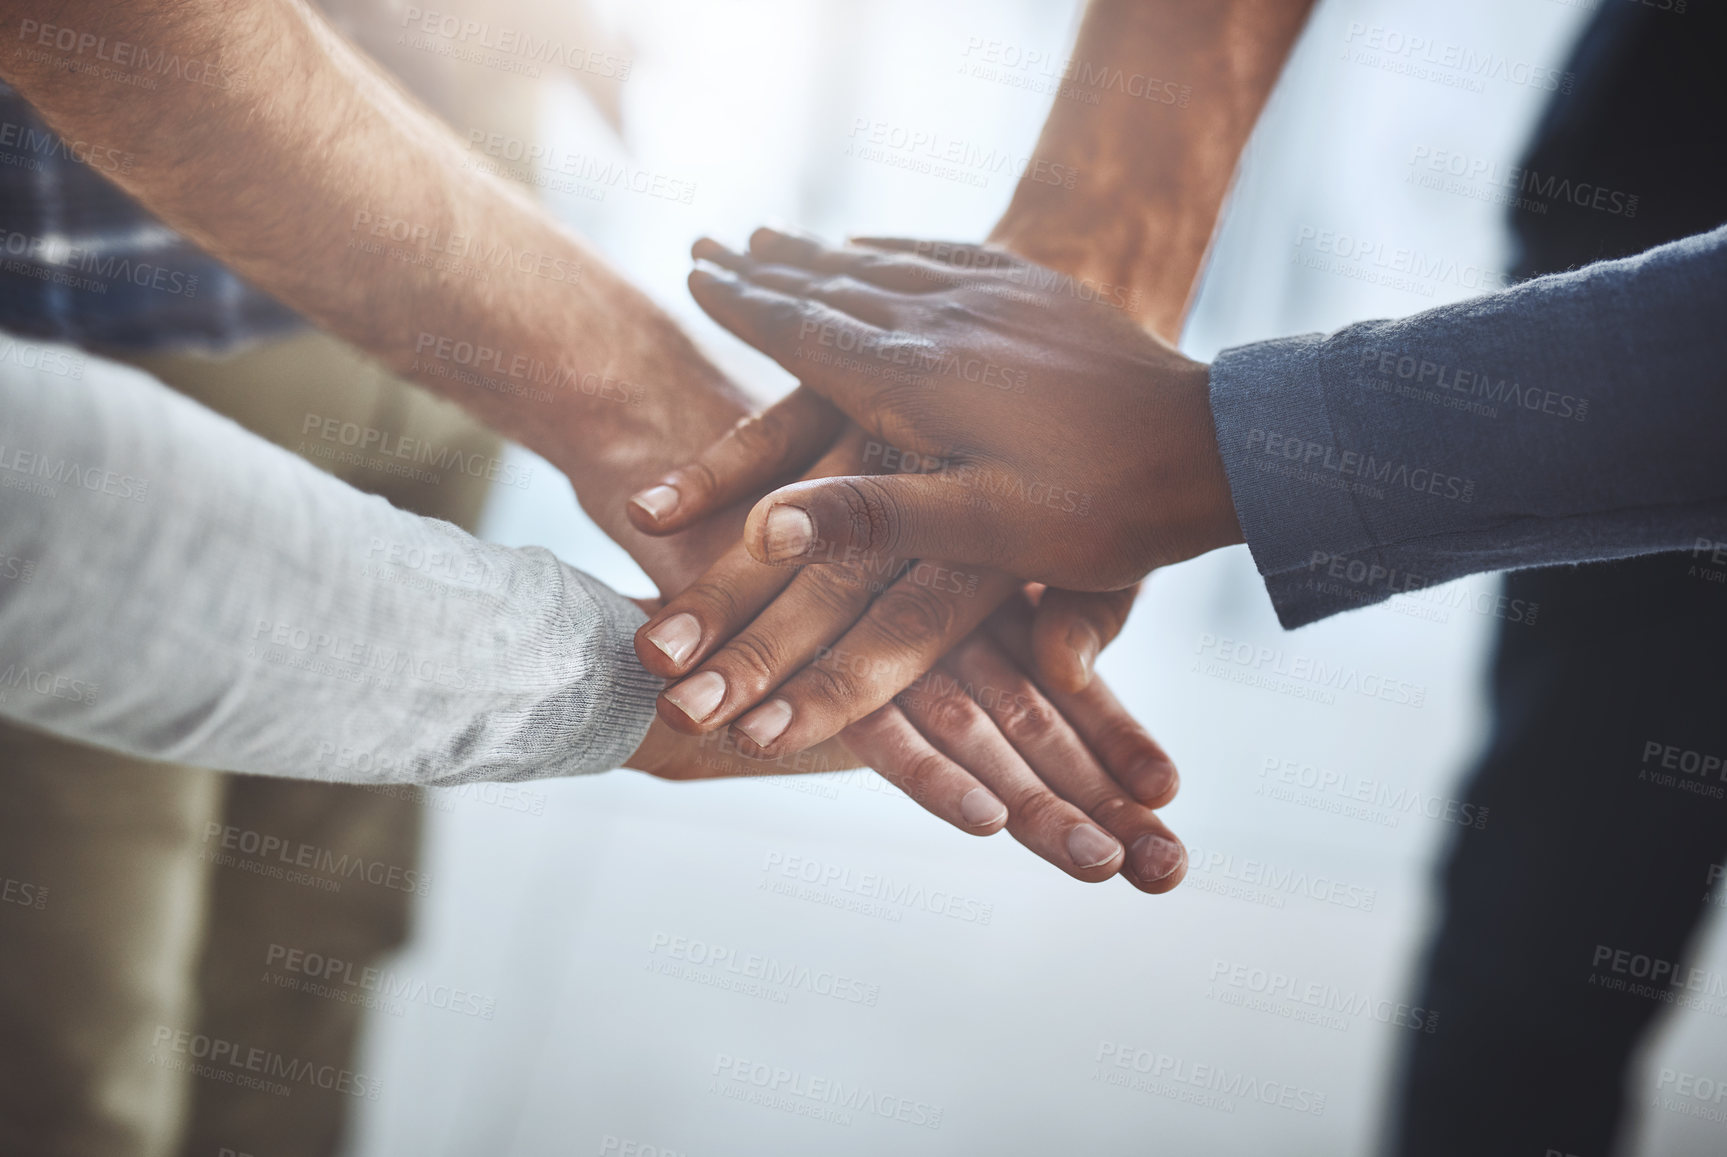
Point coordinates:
[[1186, 507]]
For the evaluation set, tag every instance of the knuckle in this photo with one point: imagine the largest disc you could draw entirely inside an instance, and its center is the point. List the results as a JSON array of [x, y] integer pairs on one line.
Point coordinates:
[[871, 513], [1121, 741], [825, 686], [710, 602], [1023, 719], [836, 590], [753, 660], [910, 617], [917, 775], [700, 478], [759, 436], [951, 714], [1038, 808]]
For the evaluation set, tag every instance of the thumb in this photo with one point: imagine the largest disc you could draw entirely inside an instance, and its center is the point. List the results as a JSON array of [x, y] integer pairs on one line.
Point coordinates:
[[838, 520], [1071, 627]]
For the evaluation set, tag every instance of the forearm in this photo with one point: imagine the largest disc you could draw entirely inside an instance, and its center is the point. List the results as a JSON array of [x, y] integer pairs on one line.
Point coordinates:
[[1154, 160], [291, 161], [1572, 418], [176, 588]]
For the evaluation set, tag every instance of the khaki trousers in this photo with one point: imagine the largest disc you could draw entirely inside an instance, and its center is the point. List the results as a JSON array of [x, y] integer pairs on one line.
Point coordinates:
[[149, 913]]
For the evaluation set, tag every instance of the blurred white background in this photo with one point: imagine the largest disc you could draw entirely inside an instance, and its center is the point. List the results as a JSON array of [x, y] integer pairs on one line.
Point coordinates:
[[567, 918]]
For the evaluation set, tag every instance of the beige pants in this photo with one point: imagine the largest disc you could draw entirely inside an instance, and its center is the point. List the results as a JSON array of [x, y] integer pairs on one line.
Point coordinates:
[[148, 1002]]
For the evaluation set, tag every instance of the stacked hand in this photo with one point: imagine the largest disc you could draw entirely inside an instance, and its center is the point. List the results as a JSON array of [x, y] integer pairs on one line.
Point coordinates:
[[834, 643]]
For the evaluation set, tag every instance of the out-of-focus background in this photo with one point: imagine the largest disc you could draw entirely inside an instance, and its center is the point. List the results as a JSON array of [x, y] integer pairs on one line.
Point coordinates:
[[634, 939]]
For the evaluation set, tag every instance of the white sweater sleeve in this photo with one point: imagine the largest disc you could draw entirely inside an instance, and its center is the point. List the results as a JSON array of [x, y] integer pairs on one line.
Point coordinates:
[[177, 588]]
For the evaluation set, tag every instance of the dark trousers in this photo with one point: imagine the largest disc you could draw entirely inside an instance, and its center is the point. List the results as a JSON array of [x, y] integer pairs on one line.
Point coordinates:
[[1608, 811]]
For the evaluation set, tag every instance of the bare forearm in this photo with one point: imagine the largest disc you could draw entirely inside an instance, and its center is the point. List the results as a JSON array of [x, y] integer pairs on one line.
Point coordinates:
[[1154, 161], [307, 171]]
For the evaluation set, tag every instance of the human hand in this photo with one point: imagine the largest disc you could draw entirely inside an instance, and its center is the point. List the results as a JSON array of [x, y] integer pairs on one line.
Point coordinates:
[[1060, 760], [1037, 433]]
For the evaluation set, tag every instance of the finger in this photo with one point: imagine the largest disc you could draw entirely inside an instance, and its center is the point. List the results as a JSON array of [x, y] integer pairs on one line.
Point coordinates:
[[886, 740], [1049, 745], [905, 274], [666, 754], [1072, 627], [908, 515], [915, 621], [1038, 818], [817, 607], [952, 255], [830, 351], [1121, 743], [782, 439], [863, 300], [707, 612], [731, 593]]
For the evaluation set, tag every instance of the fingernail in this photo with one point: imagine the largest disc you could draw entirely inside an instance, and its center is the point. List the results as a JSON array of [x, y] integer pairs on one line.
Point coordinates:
[[1082, 638], [1155, 857], [658, 501], [980, 809], [1091, 848], [789, 532], [767, 722], [677, 637], [1151, 779], [699, 695]]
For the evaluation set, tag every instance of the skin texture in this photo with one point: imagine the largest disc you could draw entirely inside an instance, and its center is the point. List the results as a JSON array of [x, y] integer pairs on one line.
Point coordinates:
[[1043, 435], [287, 142]]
